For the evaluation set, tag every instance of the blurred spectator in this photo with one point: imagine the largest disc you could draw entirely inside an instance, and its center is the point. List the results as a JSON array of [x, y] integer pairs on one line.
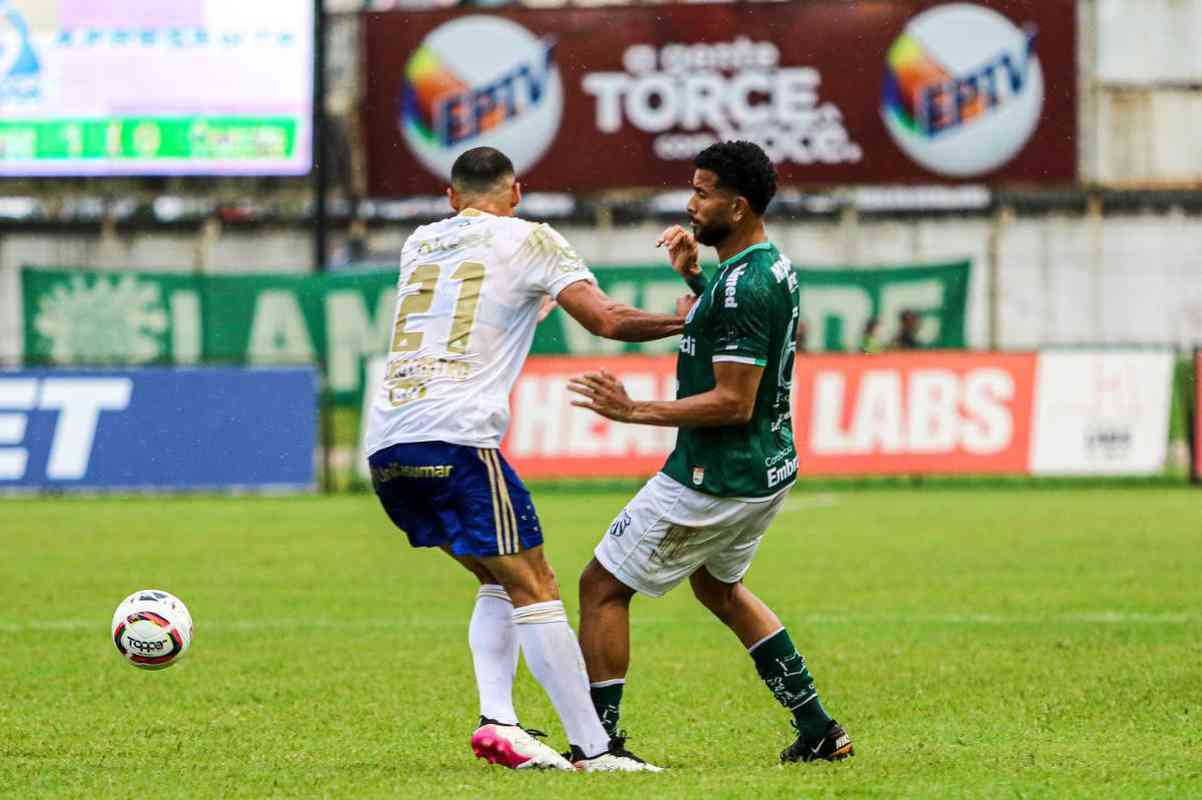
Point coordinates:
[[870, 342], [800, 336], [907, 335]]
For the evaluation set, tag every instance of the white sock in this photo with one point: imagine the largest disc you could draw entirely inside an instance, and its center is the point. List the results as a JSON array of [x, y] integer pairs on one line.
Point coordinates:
[[553, 655], [494, 652]]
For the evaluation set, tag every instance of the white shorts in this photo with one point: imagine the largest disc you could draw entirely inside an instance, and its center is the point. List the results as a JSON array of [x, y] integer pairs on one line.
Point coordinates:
[[669, 530]]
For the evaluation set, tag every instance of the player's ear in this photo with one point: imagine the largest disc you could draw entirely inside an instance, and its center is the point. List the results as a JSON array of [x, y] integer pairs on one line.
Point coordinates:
[[453, 199], [515, 194], [739, 208]]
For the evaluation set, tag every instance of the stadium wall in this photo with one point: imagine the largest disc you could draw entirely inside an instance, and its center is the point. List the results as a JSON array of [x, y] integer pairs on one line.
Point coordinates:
[[1036, 281]]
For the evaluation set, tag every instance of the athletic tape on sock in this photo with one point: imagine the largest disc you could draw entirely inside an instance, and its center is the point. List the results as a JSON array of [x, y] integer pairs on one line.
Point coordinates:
[[540, 613], [494, 590]]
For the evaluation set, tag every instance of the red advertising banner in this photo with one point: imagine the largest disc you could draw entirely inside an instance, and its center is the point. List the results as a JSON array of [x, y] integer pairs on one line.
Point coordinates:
[[836, 92], [937, 412], [550, 438]]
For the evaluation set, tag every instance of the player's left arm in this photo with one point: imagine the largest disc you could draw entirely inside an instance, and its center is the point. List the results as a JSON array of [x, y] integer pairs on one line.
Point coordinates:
[[730, 402]]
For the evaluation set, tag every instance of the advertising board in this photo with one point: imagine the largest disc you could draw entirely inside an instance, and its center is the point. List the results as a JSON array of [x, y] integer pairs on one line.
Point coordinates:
[[911, 413], [74, 316], [153, 428], [188, 87], [587, 99]]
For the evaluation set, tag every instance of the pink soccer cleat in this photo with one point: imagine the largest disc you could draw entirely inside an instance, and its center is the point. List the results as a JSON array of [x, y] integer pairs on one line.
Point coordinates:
[[514, 747]]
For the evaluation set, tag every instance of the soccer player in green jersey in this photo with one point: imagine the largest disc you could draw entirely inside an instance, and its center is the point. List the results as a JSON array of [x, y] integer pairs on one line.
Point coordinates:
[[702, 517]]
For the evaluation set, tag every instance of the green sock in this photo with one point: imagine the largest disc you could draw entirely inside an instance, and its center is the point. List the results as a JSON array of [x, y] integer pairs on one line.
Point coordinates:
[[607, 698], [784, 671]]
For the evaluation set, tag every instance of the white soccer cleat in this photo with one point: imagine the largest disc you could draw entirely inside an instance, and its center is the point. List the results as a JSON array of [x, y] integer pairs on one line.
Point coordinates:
[[616, 759], [514, 747]]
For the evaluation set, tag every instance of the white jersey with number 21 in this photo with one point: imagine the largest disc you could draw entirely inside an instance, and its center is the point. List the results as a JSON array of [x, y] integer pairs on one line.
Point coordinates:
[[468, 298]]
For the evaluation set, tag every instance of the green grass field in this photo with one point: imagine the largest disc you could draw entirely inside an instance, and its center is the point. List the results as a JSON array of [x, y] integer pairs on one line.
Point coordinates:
[[976, 643]]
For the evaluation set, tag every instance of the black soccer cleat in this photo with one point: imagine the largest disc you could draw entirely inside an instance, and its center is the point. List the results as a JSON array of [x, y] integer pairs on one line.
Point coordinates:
[[833, 745]]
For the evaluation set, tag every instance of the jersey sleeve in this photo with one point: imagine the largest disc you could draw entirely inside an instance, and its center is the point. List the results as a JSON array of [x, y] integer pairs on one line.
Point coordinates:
[[551, 263], [741, 323]]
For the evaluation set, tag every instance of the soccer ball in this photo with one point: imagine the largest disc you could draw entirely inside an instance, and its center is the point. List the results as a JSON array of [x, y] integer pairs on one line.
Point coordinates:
[[152, 629]]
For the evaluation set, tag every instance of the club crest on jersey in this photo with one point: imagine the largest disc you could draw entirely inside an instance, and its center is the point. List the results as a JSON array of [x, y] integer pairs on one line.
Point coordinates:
[[620, 525], [698, 475]]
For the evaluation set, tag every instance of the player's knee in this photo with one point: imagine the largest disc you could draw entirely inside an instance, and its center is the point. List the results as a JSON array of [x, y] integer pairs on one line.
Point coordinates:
[[593, 584], [529, 591], [548, 586], [589, 586], [537, 584], [598, 587], [482, 574], [718, 597]]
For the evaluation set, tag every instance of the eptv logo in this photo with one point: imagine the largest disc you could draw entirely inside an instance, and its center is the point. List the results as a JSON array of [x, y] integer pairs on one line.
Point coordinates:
[[480, 80], [963, 90], [79, 403]]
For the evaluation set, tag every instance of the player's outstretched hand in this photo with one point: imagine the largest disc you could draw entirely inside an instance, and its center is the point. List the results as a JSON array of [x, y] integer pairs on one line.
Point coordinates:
[[682, 250], [603, 393]]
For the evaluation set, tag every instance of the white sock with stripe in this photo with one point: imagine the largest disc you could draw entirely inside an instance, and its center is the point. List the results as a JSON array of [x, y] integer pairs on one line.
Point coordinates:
[[554, 656], [494, 646]]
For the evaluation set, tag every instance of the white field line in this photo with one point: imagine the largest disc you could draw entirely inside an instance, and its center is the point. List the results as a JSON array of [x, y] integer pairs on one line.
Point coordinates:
[[302, 623]]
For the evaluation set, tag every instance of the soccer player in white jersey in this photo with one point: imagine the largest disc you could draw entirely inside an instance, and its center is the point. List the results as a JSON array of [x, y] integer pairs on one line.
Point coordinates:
[[469, 295]]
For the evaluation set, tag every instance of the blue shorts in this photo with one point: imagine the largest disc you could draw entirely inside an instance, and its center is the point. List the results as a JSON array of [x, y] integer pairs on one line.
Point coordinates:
[[466, 498]]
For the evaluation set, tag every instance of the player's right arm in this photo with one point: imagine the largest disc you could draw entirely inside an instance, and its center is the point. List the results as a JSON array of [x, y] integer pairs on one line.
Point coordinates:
[[603, 316], [556, 270]]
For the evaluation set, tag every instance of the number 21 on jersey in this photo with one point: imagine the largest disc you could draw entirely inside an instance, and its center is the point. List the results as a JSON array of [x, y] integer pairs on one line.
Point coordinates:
[[470, 275]]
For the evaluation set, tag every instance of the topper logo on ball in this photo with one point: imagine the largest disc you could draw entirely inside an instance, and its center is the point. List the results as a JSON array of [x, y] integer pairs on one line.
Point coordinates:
[[963, 89], [480, 81]]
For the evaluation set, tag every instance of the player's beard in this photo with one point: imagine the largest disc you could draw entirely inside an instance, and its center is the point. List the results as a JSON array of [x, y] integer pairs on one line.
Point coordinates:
[[712, 234]]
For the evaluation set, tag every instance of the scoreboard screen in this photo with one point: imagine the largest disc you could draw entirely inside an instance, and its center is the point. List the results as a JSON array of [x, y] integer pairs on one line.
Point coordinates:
[[147, 87]]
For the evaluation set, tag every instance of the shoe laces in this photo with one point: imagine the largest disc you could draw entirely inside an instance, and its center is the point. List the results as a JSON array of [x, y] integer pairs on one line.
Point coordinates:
[[535, 732], [802, 747], [617, 747]]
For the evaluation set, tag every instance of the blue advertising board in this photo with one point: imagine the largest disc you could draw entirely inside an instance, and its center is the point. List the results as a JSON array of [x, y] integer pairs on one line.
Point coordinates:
[[178, 428]]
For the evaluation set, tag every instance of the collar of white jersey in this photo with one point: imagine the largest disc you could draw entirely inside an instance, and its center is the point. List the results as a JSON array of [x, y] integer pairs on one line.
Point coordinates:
[[474, 212]]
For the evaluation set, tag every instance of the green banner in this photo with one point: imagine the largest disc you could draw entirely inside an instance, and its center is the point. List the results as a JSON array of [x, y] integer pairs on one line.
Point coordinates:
[[835, 305], [338, 319]]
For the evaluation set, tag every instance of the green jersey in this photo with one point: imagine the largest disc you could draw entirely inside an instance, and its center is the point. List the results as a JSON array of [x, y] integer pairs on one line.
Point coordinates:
[[748, 314]]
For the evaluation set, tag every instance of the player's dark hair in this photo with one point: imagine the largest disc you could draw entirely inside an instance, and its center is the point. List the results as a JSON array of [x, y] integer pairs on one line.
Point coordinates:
[[479, 170], [743, 168]]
